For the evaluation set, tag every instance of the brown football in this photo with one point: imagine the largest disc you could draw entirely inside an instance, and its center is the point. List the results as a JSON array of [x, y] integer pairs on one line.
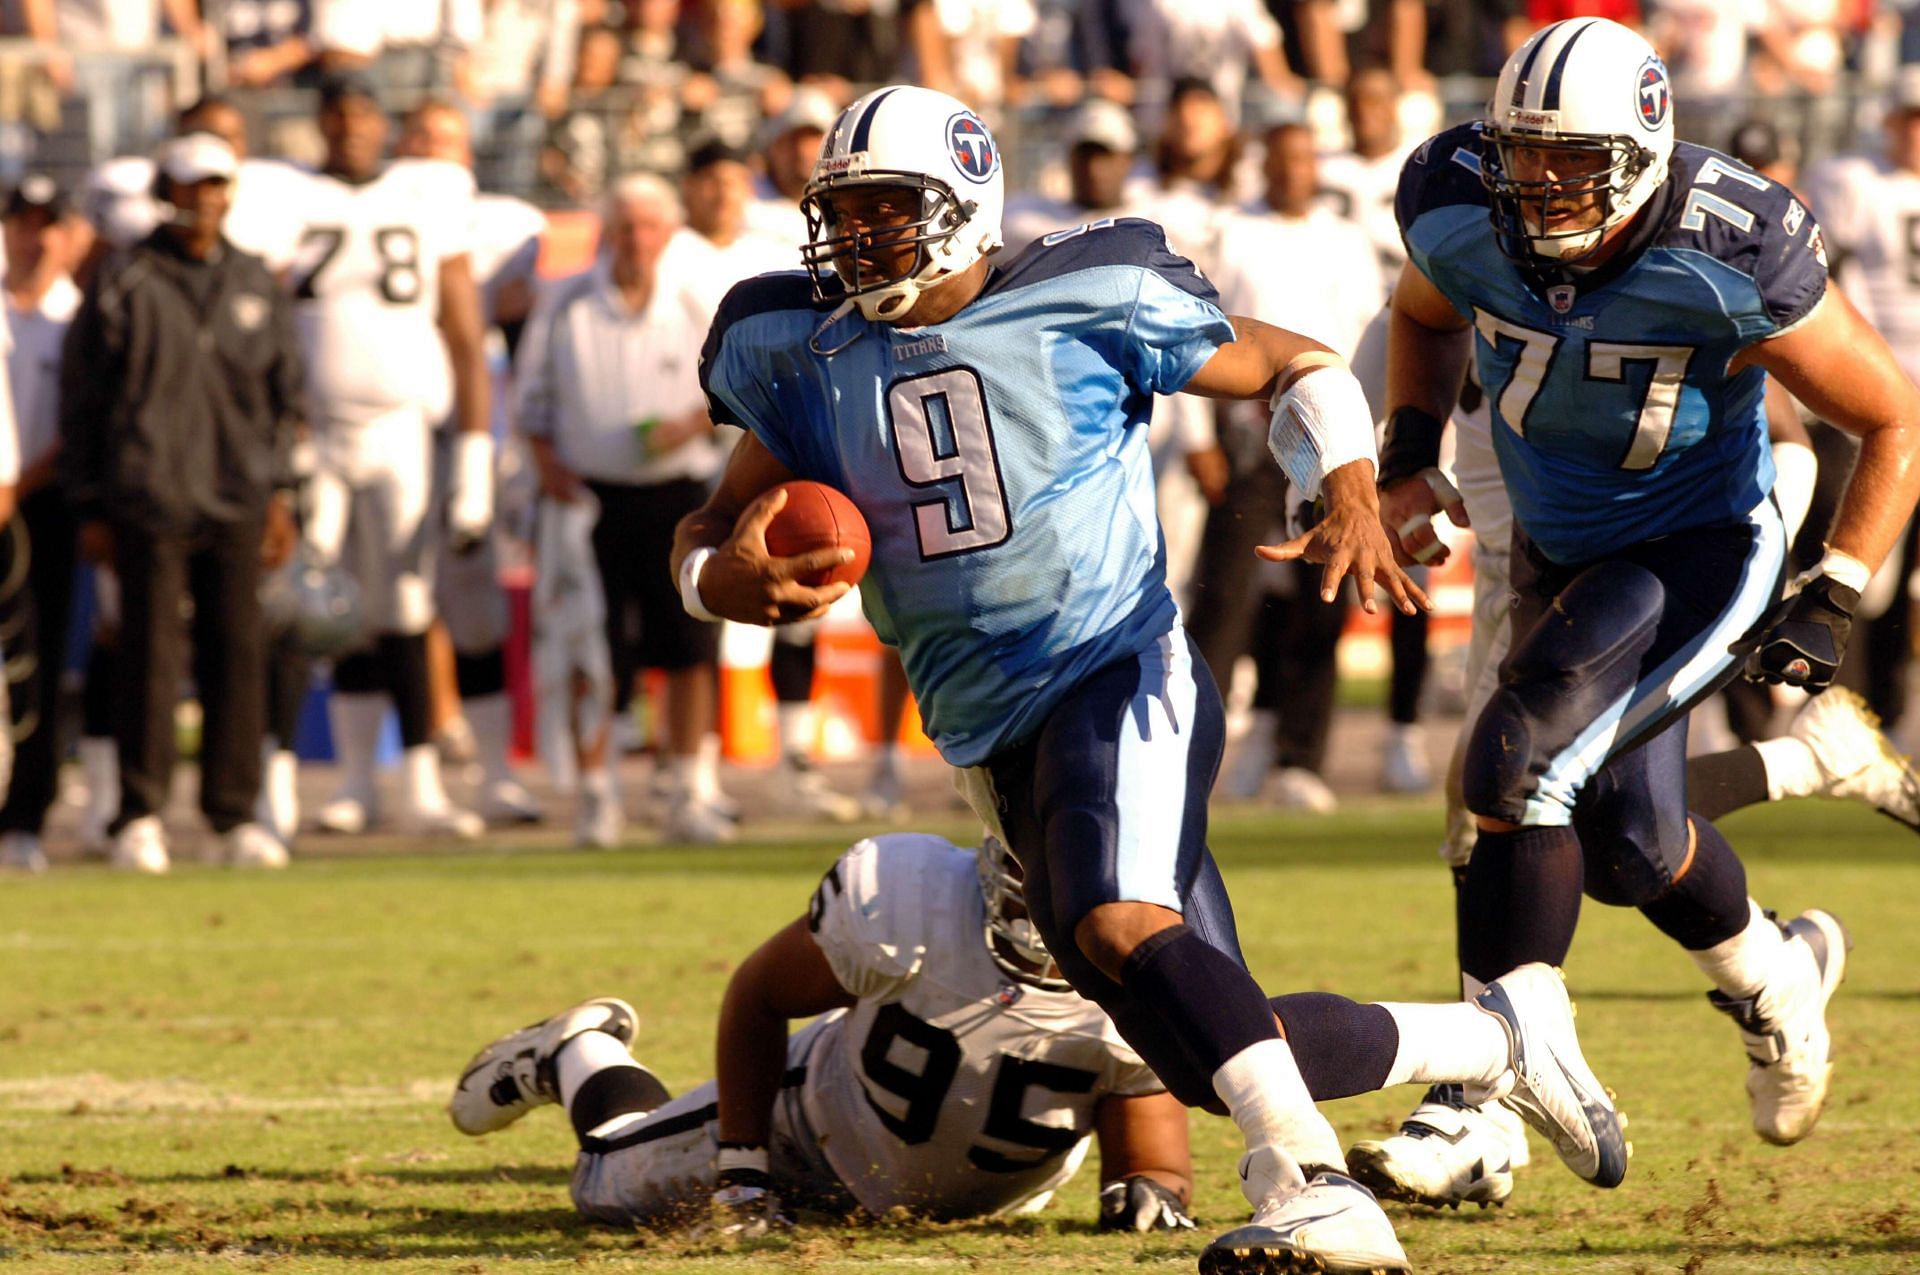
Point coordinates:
[[818, 517]]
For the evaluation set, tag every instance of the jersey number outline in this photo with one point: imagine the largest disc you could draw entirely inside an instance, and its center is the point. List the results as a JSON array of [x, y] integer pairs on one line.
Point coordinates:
[[1606, 361], [924, 1091], [941, 432], [398, 248]]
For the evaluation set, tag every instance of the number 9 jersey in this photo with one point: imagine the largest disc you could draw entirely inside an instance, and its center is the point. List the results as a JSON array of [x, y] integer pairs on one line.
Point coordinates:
[[366, 286], [1615, 419], [999, 458]]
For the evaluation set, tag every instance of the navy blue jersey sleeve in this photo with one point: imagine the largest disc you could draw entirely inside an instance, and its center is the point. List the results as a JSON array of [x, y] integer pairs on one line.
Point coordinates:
[[739, 362], [1725, 209], [1443, 171]]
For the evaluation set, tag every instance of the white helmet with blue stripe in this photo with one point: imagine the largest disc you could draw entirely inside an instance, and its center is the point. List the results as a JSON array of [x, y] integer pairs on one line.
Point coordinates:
[[1581, 85], [943, 155]]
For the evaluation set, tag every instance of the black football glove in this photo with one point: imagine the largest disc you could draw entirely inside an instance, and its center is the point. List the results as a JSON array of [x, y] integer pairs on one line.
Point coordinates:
[[1141, 1204], [1803, 647]]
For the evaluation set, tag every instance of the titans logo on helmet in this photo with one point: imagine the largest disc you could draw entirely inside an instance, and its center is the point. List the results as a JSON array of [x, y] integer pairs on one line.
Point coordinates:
[[974, 153], [1655, 100]]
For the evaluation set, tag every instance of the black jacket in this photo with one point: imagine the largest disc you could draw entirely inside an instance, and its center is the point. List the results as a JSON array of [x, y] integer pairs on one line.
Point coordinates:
[[180, 384]]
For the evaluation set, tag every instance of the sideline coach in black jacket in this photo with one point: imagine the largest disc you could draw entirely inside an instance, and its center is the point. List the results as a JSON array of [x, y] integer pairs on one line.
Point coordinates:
[[179, 389]]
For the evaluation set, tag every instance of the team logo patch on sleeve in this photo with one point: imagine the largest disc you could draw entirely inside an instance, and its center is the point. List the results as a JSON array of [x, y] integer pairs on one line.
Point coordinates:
[[972, 148], [1655, 99]]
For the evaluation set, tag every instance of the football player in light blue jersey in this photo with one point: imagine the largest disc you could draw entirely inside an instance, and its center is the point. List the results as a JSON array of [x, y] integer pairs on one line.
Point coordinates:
[[989, 422], [1626, 298]]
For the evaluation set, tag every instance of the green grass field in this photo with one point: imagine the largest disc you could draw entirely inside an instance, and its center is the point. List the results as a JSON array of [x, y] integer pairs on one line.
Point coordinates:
[[230, 1072]]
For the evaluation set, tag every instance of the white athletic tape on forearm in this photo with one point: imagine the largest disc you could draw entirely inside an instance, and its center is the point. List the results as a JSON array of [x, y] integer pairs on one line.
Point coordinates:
[[1320, 422], [690, 598], [470, 505]]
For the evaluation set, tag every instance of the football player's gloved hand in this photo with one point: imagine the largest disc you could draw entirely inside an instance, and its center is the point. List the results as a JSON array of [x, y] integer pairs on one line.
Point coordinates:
[[1141, 1204], [745, 1205], [1803, 647], [470, 501]]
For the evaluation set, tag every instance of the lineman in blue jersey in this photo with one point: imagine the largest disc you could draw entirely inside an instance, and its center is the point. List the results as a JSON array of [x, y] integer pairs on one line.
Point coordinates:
[[1626, 298], [990, 425]]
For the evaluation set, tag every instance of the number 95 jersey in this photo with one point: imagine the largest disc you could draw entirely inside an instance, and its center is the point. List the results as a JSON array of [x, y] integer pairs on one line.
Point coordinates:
[[1615, 420], [949, 1090], [999, 458], [366, 285]]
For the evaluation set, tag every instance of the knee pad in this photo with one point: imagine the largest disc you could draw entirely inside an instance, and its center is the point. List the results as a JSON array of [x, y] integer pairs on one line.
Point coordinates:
[[1496, 776], [1633, 835], [1621, 872]]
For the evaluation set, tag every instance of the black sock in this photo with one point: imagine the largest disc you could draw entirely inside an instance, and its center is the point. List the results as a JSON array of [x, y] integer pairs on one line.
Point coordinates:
[[614, 1091], [482, 674], [791, 668], [1520, 901], [1203, 1000], [1342, 1047], [403, 657], [1708, 904], [1720, 783]]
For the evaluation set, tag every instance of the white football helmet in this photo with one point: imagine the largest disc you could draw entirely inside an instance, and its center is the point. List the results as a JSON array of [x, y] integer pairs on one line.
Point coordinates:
[[903, 136], [1013, 940], [1585, 84]]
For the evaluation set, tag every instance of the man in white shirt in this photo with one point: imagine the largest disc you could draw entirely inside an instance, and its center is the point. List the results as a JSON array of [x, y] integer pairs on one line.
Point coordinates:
[[610, 402], [789, 145], [41, 299], [1100, 157], [1288, 256]]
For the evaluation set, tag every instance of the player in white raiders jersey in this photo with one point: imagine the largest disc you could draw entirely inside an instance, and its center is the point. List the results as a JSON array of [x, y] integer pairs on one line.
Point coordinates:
[[504, 244], [385, 300], [951, 1072]]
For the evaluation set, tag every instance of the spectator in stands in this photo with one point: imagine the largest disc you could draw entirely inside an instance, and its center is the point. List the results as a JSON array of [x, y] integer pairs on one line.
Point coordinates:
[[1796, 47], [1176, 40], [1077, 49], [411, 46], [269, 42], [1704, 43], [1240, 605], [1473, 37], [730, 91], [1761, 146], [717, 190], [524, 56], [969, 48], [179, 384], [789, 147], [1195, 168], [836, 43], [597, 136], [610, 401], [1359, 183], [41, 299], [1102, 145], [123, 108]]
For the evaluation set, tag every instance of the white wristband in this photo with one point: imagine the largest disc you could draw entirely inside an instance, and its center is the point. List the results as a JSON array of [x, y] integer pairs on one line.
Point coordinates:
[[1320, 422], [690, 598], [1844, 568]]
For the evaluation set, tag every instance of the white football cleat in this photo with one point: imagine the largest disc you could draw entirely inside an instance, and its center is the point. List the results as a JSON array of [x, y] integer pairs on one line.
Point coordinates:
[[448, 821], [1330, 1224], [349, 815], [22, 852], [1404, 765], [507, 801], [1856, 760], [1447, 1153], [515, 1074], [695, 823], [806, 791], [278, 807], [1784, 1026], [250, 846], [598, 820], [1550, 1084], [1298, 788], [141, 846], [1254, 761]]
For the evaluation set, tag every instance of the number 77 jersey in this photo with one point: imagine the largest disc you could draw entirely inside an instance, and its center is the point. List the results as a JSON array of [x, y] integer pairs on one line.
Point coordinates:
[[1615, 418], [999, 458]]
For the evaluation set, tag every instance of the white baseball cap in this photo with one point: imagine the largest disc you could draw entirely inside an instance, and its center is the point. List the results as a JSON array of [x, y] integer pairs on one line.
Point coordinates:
[[1106, 124], [197, 157]]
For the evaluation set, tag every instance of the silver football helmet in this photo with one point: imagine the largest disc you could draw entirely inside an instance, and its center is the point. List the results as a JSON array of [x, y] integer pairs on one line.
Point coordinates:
[[1590, 87], [1013, 940], [320, 605]]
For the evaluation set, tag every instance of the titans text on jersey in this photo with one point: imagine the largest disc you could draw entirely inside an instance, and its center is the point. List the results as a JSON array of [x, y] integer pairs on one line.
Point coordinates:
[[1615, 418], [1017, 427]]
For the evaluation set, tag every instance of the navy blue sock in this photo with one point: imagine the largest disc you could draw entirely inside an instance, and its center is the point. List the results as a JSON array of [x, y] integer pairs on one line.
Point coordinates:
[[1342, 1047], [1205, 1002], [1520, 900], [613, 1091], [1708, 904]]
